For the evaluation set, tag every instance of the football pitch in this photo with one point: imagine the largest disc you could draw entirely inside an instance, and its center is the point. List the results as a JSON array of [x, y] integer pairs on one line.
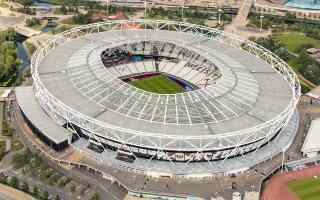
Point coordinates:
[[158, 84], [306, 189]]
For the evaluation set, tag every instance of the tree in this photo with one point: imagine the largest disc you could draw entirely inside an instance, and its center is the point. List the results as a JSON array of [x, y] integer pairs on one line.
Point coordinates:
[[13, 182], [57, 197], [63, 9], [82, 18], [96, 196], [19, 159], [8, 57], [312, 73], [283, 53], [73, 188], [304, 60], [26, 3], [32, 22], [35, 191], [25, 187], [45, 195]]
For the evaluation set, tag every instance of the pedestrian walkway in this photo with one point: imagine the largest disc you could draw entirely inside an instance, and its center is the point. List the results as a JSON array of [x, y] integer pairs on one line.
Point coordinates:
[[244, 10], [13, 194], [75, 157], [238, 25]]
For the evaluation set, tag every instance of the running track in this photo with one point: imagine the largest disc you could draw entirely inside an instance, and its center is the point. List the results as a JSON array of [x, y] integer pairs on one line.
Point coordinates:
[[276, 188]]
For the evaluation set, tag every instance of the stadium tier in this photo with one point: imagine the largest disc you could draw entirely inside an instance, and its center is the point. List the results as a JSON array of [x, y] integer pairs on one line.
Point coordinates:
[[235, 96]]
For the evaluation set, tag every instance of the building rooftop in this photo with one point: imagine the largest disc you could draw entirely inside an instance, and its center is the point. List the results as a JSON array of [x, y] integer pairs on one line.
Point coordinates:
[[37, 116], [312, 141], [249, 93]]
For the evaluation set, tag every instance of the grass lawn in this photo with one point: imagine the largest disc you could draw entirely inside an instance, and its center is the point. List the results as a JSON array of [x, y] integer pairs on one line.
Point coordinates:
[[1, 116], [158, 84], [2, 148], [292, 40], [307, 189]]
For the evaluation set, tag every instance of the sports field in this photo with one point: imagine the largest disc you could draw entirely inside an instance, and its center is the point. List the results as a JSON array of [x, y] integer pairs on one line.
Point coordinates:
[[306, 189], [158, 84]]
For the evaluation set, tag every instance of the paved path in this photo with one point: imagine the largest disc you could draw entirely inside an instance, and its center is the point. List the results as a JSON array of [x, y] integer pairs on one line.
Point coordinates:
[[238, 25], [8, 193], [244, 10], [106, 190], [6, 22]]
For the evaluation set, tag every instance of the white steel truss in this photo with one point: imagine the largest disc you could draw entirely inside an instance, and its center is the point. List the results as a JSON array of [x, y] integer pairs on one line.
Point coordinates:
[[198, 143]]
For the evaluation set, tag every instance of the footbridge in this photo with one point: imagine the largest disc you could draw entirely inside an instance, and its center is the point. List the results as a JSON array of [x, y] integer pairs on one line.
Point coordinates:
[[244, 10], [26, 31]]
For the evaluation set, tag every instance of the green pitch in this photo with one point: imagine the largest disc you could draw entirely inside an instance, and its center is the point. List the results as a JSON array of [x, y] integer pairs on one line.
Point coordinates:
[[306, 189], [158, 84]]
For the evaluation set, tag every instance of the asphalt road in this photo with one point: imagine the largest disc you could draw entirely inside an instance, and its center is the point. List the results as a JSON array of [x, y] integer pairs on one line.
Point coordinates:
[[6, 22], [106, 190], [3, 196], [8, 193]]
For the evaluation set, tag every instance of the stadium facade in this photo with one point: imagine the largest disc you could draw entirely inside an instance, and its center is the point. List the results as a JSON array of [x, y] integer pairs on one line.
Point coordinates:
[[244, 95]]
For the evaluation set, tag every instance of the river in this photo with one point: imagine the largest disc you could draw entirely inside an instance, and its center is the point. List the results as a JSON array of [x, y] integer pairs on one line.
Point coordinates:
[[22, 55]]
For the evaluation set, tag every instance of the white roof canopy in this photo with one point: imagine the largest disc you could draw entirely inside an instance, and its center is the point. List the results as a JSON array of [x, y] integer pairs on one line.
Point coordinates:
[[312, 141]]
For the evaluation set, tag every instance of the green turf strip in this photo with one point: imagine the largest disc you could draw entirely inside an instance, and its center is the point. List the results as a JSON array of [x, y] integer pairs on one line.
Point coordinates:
[[293, 40], [158, 84], [307, 189]]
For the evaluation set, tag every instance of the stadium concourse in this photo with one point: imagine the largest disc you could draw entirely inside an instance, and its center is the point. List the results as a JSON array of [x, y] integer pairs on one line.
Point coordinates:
[[234, 105]]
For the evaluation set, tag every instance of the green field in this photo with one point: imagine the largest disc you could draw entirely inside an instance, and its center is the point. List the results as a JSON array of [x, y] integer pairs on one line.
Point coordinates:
[[158, 84], [293, 40], [307, 189]]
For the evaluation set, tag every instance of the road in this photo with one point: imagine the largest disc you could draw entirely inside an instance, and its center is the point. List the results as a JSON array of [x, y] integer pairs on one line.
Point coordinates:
[[6, 22], [106, 190], [4, 196], [8, 193]]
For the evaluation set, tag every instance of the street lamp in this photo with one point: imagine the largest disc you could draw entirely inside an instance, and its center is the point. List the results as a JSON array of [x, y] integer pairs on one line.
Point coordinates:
[[108, 2], [261, 17], [145, 9], [182, 9], [219, 15], [282, 160]]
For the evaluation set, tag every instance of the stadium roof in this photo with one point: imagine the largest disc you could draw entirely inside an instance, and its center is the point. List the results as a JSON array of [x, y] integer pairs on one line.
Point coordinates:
[[249, 93], [312, 141], [38, 117]]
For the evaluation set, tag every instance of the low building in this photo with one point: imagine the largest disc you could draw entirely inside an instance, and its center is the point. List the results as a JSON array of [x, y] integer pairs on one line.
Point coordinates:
[[314, 53], [314, 94], [39, 122], [311, 145], [251, 196], [5, 95]]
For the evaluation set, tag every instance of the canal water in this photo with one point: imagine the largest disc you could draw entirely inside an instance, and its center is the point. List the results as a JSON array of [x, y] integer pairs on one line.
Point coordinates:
[[22, 54]]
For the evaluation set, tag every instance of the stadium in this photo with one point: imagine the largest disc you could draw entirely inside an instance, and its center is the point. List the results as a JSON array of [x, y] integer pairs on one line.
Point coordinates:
[[161, 97]]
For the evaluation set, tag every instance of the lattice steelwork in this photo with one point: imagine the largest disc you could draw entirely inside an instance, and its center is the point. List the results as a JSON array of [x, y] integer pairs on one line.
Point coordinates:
[[102, 86]]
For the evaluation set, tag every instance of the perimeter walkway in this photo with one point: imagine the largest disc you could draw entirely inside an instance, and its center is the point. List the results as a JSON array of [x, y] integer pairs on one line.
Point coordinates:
[[8, 193], [241, 18]]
